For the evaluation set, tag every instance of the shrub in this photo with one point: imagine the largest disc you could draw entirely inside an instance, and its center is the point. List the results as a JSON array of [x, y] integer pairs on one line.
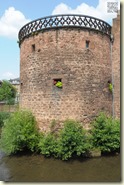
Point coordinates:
[[3, 117], [106, 133], [19, 132], [47, 144], [7, 92], [72, 140]]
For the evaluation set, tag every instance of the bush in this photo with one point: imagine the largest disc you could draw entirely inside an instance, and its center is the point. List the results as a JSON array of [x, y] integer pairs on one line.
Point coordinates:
[[47, 144], [7, 92], [106, 133], [19, 132], [72, 140], [3, 117]]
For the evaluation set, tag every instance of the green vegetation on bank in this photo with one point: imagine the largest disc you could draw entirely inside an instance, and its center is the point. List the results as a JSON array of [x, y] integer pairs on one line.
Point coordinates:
[[3, 117], [106, 133], [7, 92], [20, 132], [71, 140]]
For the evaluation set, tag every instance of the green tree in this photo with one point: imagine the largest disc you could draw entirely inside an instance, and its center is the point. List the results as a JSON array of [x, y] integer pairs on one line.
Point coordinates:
[[106, 133], [19, 133], [7, 92], [72, 140]]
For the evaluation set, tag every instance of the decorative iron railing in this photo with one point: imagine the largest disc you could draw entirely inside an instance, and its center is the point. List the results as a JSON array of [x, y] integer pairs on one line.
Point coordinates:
[[56, 21]]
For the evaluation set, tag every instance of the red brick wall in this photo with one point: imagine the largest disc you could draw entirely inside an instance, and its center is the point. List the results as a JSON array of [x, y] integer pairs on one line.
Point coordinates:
[[116, 65], [61, 53]]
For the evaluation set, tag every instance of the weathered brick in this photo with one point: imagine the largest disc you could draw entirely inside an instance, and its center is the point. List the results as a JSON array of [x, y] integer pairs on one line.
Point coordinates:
[[62, 54], [116, 65]]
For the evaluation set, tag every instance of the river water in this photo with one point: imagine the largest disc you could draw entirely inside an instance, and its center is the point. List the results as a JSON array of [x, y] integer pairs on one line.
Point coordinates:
[[37, 168]]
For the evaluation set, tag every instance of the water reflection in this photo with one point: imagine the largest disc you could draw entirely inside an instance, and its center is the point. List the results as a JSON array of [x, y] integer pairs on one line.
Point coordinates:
[[27, 168], [4, 171]]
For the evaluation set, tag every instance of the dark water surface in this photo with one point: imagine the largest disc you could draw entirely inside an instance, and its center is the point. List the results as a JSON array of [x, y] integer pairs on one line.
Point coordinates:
[[36, 168]]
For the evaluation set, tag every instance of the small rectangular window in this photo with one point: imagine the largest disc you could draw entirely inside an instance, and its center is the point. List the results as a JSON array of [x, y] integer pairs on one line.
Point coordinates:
[[87, 43], [33, 47]]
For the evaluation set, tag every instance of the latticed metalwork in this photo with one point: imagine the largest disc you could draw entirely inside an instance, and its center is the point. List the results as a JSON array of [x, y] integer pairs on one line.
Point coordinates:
[[56, 21]]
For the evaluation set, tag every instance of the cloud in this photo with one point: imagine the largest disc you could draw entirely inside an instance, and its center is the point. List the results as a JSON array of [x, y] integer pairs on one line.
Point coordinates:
[[8, 75], [100, 11], [10, 22]]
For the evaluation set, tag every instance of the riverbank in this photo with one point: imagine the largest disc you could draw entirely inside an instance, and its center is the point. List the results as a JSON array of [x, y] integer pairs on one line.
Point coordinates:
[[20, 133]]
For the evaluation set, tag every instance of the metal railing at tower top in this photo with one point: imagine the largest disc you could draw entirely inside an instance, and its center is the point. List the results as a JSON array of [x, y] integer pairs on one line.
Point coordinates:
[[57, 21]]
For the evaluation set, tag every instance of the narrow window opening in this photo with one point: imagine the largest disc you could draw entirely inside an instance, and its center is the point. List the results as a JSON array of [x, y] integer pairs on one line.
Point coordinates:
[[33, 47], [57, 82], [87, 43]]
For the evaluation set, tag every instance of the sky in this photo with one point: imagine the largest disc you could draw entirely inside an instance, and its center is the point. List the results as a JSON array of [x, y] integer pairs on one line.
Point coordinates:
[[16, 13]]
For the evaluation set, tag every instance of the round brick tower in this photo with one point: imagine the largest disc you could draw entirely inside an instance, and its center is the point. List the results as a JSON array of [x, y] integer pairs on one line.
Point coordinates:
[[74, 52]]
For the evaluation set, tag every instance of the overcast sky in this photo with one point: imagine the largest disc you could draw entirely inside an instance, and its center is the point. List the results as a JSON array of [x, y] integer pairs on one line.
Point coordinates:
[[16, 13]]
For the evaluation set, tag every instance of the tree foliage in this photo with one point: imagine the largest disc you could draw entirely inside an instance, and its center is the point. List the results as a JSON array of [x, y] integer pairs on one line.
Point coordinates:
[[7, 92], [106, 133], [3, 117], [19, 133], [72, 140]]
